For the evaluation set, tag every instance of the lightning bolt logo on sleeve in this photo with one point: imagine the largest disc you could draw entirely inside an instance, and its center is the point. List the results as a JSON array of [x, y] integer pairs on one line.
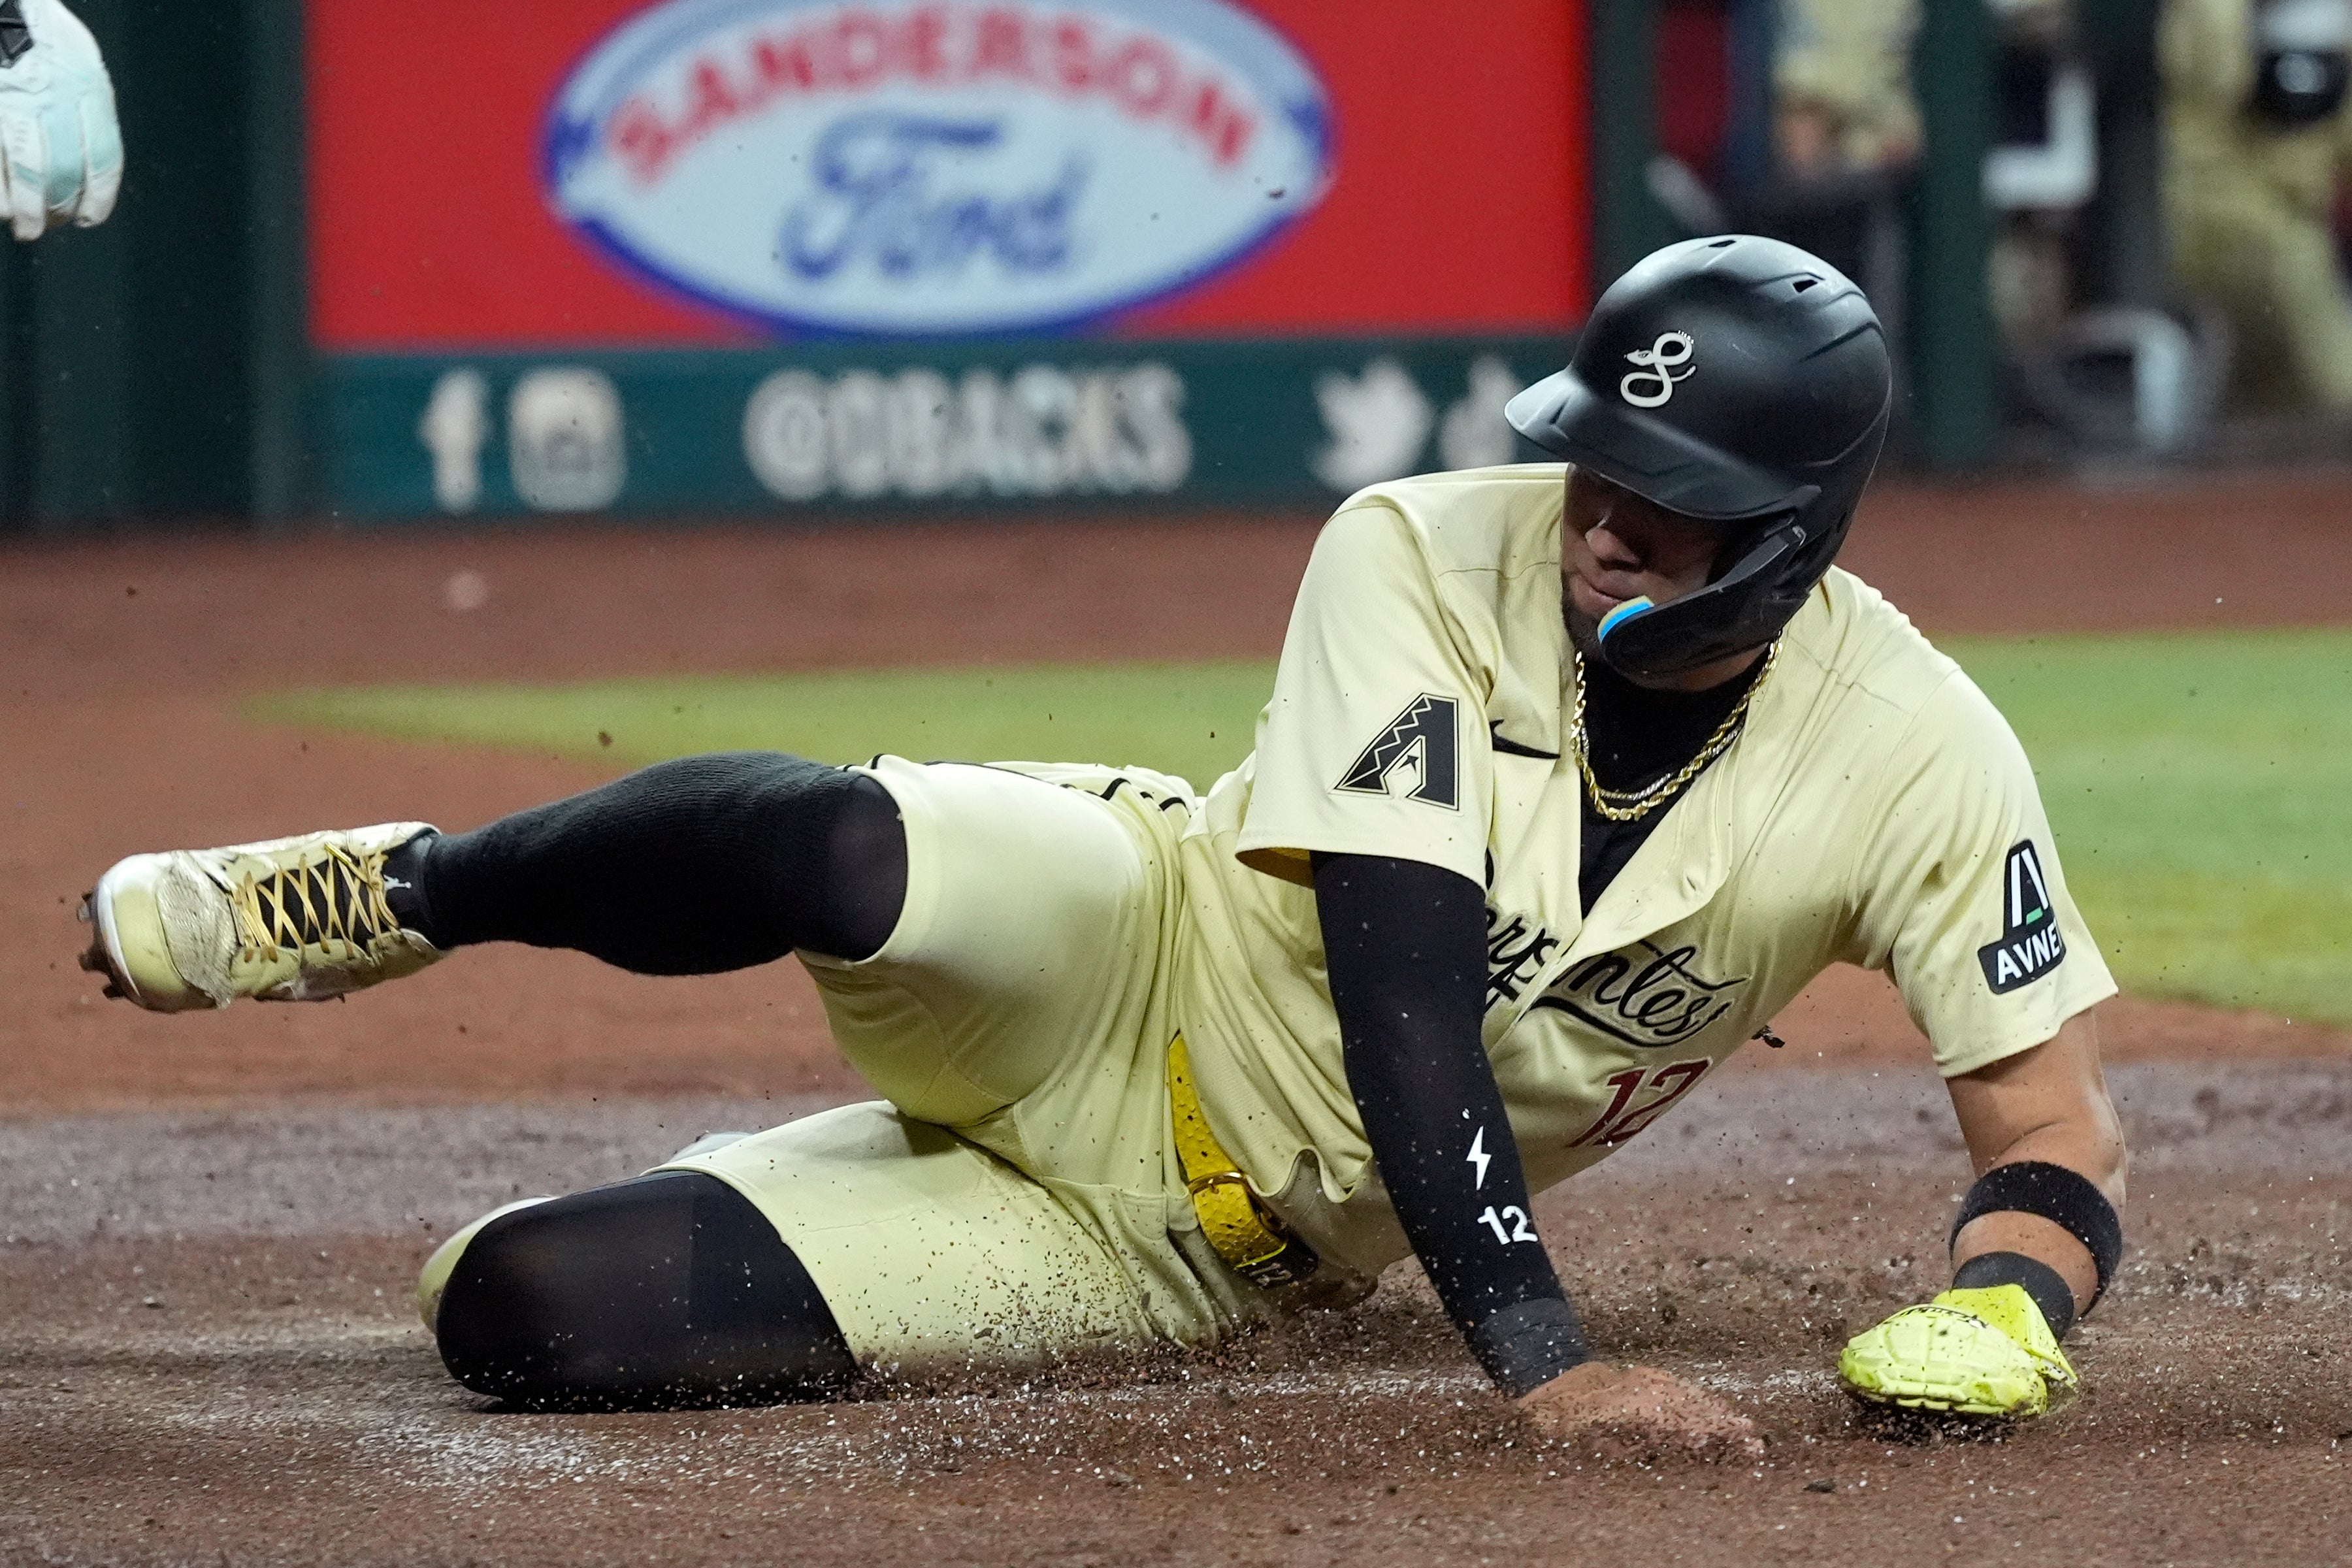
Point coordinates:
[[1509, 1224]]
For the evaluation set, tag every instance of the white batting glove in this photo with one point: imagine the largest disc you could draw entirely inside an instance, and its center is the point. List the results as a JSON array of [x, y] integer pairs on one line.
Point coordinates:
[[60, 147]]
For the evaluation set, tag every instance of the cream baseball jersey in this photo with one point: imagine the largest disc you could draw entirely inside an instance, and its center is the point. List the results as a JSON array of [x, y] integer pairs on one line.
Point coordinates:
[[1876, 810]]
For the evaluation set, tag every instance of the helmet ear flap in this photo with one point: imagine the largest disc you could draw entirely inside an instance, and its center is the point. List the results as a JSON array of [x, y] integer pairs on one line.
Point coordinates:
[[1731, 615]]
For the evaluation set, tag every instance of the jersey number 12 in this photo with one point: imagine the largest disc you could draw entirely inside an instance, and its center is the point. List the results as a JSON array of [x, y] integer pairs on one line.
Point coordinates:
[[1623, 1119], [1518, 1230]]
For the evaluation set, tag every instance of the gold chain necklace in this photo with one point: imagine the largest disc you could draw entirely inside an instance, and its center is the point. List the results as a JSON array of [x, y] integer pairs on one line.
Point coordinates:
[[1631, 805]]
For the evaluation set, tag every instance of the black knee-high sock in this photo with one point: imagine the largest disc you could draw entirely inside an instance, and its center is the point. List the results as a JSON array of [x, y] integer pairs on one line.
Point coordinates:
[[671, 1289], [691, 867]]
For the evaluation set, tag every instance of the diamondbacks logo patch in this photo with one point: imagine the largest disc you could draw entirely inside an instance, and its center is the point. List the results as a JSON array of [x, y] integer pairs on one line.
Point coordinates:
[[1418, 750], [2031, 944]]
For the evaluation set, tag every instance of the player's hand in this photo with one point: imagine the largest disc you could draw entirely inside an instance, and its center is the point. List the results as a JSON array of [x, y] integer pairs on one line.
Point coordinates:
[[1967, 1353], [1638, 1413], [60, 147]]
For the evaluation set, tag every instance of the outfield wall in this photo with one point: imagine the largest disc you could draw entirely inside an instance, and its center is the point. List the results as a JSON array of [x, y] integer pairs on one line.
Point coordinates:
[[756, 256], [993, 424], [1157, 253]]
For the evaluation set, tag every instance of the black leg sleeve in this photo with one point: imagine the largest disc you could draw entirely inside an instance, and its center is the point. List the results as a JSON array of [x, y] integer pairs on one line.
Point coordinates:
[[1406, 947], [671, 1289], [690, 867]]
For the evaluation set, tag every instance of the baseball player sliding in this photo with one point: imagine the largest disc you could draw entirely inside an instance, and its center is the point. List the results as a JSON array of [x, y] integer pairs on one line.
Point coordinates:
[[1574, 775]]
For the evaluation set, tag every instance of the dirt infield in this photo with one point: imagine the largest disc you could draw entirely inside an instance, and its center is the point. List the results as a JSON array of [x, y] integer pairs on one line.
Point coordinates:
[[208, 1357], [262, 1175]]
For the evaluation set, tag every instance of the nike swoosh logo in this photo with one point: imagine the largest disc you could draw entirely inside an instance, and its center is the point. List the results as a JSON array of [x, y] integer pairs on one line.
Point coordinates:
[[1511, 748]]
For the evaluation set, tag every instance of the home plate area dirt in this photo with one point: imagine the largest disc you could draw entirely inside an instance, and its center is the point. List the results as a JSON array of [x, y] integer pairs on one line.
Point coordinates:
[[209, 1356]]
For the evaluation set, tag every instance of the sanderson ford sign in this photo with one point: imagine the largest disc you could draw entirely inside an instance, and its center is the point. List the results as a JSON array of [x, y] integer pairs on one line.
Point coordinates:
[[927, 168]]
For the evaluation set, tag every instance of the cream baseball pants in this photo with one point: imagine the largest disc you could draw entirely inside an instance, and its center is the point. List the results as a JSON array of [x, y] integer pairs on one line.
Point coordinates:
[[1016, 1194]]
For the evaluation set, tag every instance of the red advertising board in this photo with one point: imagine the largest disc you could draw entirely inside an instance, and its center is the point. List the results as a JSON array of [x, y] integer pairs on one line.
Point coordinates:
[[1451, 159]]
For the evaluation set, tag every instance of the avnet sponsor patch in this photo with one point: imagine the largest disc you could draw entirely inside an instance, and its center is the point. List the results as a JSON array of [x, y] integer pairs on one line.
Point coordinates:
[[2031, 944]]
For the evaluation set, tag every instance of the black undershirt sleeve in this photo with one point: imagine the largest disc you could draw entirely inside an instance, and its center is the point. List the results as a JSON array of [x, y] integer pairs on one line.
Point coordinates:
[[1406, 947]]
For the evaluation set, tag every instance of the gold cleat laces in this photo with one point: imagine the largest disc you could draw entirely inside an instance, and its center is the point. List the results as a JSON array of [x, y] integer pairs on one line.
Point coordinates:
[[333, 900]]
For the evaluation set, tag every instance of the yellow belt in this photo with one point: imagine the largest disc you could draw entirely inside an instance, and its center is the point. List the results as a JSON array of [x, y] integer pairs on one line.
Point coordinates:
[[1250, 1240]]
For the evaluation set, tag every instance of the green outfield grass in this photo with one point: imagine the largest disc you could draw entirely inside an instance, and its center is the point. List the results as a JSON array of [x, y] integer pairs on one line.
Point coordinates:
[[2201, 791], [1190, 719], [2199, 784]]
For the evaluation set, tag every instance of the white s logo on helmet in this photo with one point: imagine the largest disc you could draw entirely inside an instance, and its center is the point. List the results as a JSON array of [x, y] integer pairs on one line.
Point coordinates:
[[1653, 382]]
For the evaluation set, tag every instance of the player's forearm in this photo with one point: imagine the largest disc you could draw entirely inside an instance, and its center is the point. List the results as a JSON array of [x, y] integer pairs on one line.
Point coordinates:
[[1405, 946], [2092, 1147], [2045, 1109]]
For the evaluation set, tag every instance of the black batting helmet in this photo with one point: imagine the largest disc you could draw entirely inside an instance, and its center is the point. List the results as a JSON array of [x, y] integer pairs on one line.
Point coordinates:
[[1737, 379]]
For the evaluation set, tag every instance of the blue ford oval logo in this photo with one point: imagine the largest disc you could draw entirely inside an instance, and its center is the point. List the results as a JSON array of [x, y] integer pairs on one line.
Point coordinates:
[[922, 168]]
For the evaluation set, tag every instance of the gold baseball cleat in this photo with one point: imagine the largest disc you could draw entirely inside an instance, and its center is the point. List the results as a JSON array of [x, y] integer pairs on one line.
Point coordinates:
[[291, 920], [1970, 1352]]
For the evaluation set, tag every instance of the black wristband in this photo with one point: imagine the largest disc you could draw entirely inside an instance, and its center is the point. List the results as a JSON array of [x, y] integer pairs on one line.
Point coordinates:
[[2066, 1198], [2038, 1279], [1525, 1347]]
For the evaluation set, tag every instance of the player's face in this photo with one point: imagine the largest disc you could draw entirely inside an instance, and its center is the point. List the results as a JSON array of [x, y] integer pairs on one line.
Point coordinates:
[[1617, 546]]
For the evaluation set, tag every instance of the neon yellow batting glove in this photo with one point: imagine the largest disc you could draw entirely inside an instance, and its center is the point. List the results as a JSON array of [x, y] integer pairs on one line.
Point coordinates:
[[1986, 1351]]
